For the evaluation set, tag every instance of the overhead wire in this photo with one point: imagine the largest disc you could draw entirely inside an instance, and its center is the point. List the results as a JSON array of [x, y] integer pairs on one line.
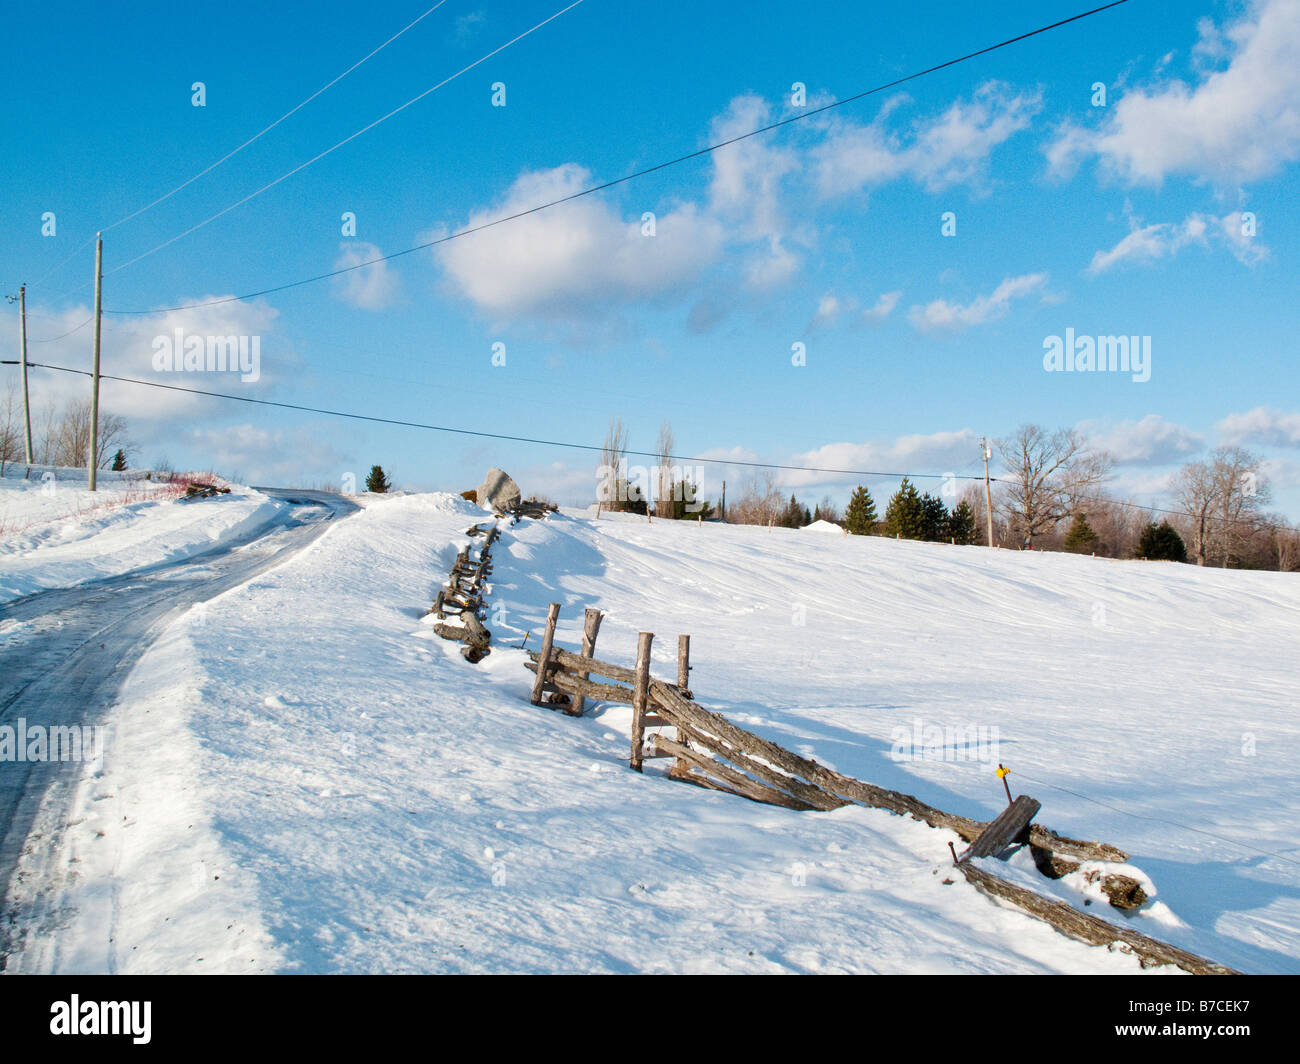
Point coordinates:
[[591, 190], [235, 151], [351, 137]]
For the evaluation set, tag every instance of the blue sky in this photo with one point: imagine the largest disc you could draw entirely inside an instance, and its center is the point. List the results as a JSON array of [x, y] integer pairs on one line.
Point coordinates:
[[1131, 218]]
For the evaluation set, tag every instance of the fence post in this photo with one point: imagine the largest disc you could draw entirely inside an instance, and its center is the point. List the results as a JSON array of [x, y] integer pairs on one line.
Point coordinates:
[[640, 695], [590, 628], [544, 659]]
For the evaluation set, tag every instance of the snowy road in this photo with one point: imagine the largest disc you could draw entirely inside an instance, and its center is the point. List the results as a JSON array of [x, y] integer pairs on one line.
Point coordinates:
[[64, 654]]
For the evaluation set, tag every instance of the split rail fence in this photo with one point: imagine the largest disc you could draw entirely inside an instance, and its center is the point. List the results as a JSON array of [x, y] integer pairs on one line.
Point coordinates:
[[709, 751], [462, 597]]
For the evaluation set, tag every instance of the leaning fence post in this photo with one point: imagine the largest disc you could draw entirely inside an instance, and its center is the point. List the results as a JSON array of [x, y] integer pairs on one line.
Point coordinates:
[[640, 695], [590, 627], [544, 659]]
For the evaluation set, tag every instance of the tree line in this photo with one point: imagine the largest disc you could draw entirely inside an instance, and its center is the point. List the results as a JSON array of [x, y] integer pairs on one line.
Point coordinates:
[[1051, 495], [61, 437]]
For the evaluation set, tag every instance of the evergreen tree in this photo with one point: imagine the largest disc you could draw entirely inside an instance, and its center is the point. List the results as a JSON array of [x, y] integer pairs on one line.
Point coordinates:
[[119, 461], [860, 518], [961, 525], [935, 518], [1162, 543], [377, 481], [1080, 539], [686, 502], [905, 515], [794, 515]]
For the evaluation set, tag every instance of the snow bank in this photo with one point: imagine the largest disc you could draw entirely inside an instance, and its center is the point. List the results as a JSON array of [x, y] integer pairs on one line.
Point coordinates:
[[377, 804], [54, 532]]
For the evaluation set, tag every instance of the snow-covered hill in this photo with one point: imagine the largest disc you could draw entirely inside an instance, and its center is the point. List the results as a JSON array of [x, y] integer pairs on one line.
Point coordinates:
[[304, 778], [56, 533]]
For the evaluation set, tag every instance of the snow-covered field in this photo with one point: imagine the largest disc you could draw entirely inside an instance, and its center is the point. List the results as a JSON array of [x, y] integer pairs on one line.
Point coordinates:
[[54, 532], [302, 777]]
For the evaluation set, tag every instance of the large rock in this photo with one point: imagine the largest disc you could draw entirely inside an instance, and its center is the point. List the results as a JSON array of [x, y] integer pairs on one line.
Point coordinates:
[[499, 492]]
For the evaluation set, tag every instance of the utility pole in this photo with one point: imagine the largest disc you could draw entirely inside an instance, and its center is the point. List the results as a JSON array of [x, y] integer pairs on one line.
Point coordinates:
[[722, 508], [22, 347], [94, 394], [988, 491]]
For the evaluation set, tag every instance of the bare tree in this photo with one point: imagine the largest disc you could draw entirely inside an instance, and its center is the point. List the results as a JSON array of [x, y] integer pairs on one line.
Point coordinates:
[[664, 449], [1049, 476], [1224, 495], [614, 453], [760, 502], [614, 490], [48, 435], [11, 428], [71, 444], [1284, 544]]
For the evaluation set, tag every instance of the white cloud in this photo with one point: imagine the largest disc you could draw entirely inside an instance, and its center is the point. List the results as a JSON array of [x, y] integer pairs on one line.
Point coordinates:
[[936, 452], [884, 307], [1149, 441], [128, 349], [950, 149], [747, 175], [1236, 124], [297, 456], [372, 287], [1149, 243], [830, 309], [1261, 426], [577, 259], [942, 316], [574, 259]]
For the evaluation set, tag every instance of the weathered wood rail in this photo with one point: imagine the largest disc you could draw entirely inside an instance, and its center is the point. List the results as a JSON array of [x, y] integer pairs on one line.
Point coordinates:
[[462, 597], [709, 751]]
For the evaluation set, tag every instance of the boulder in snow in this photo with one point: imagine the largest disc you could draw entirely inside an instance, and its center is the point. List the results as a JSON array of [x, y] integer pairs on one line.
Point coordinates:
[[499, 492]]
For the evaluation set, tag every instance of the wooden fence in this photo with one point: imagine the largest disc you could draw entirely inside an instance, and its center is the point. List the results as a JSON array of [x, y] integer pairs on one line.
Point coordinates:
[[709, 751], [462, 597]]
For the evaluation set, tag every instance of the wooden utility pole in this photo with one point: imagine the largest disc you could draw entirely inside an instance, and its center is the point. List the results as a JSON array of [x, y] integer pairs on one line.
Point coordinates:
[[22, 347], [722, 507], [94, 388], [988, 491]]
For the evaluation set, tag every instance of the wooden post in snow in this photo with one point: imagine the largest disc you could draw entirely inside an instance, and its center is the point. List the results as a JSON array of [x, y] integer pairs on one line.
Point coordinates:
[[552, 614], [640, 695], [590, 628], [683, 681]]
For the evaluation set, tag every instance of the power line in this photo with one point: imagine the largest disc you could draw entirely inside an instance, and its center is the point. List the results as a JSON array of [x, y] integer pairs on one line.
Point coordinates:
[[635, 174], [1276, 526], [51, 339], [345, 140], [485, 435], [236, 151], [50, 272], [287, 114]]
